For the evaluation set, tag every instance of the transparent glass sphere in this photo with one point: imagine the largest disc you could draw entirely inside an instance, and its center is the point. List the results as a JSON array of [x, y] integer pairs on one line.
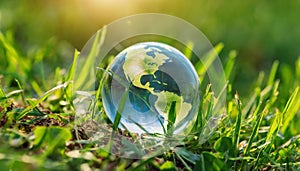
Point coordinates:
[[153, 87]]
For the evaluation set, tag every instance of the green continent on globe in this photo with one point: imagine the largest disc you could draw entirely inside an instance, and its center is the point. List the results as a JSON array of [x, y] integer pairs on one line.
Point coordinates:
[[142, 70]]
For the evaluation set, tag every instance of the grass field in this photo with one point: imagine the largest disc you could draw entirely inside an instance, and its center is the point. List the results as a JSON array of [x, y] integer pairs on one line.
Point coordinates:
[[258, 131]]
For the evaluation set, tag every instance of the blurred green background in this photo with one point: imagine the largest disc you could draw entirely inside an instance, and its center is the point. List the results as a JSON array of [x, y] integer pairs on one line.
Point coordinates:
[[261, 31]]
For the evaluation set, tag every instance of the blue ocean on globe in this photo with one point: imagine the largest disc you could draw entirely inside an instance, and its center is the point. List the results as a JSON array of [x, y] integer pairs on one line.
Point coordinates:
[[145, 80]]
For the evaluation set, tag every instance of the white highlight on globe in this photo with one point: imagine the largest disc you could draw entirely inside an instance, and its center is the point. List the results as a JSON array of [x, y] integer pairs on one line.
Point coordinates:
[[154, 88]]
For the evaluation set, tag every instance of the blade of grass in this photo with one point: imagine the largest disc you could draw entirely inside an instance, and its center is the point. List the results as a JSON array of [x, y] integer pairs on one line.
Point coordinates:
[[71, 72], [183, 162], [36, 88], [291, 108], [238, 123], [260, 79], [253, 102], [89, 63], [2, 94], [273, 73], [278, 117], [120, 109], [202, 161], [210, 107], [22, 94], [41, 74], [12, 93], [207, 60], [255, 130], [230, 64], [70, 77], [275, 126], [273, 97], [188, 155], [41, 99], [298, 71], [141, 127], [16, 63], [218, 103], [266, 146], [199, 120], [171, 118], [208, 102]]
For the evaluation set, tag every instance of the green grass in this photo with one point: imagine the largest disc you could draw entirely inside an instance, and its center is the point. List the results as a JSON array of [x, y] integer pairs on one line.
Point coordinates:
[[259, 131]]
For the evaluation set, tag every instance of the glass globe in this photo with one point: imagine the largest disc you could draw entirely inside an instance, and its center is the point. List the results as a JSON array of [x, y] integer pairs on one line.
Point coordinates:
[[153, 87]]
